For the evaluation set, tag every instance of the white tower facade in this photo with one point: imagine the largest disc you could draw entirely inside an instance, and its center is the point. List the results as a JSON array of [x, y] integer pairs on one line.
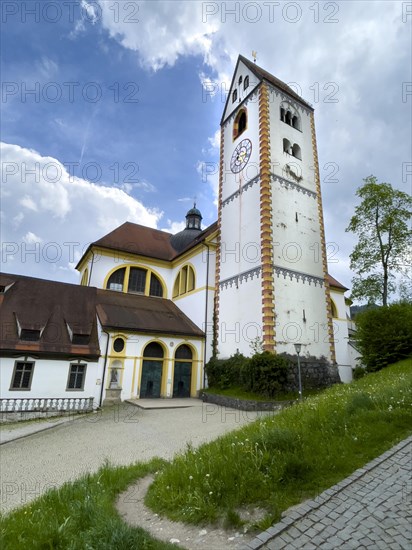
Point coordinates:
[[271, 272]]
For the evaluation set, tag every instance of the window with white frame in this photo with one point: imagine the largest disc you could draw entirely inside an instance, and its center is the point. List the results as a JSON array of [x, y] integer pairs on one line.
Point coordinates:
[[22, 375], [77, 375]]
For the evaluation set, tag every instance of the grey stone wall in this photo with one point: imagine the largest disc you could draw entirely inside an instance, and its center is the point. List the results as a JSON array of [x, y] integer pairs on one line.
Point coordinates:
[[243, 404], [315, 373]]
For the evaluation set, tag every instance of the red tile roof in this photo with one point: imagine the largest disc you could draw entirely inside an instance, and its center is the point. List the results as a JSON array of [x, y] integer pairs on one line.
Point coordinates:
[[137, 239], [336, 284], [262, 74], [49, 306], [120, 311]]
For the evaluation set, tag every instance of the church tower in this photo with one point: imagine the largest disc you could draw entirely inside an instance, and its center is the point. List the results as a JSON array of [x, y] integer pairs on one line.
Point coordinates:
[[271, 270]]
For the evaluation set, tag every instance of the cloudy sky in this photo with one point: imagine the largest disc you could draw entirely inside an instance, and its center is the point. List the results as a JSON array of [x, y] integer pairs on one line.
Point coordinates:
[[110, 112]]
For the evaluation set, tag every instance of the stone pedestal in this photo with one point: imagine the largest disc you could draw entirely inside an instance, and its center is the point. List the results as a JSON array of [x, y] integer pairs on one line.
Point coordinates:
[[112, 396]]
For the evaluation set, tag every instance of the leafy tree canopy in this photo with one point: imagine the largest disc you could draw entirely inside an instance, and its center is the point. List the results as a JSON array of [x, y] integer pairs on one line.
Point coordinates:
[[384, 240]]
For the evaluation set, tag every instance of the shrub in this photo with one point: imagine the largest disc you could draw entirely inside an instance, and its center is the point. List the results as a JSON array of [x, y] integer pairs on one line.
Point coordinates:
[[265, 373], [358, 372], [384, 335], [224, 373]]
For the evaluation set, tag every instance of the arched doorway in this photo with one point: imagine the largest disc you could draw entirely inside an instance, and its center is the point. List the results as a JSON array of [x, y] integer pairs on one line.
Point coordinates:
[[182, 377], [152, 370]]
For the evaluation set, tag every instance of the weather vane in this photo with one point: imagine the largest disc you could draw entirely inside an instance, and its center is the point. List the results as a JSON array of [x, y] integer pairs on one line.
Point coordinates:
[[254, 55]]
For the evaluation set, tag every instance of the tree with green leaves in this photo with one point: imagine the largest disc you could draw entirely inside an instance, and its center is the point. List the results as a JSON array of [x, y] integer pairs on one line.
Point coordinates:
[[384, 240]]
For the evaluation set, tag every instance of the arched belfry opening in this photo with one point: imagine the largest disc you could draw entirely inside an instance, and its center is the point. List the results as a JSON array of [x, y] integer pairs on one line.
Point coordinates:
[[240, 123]]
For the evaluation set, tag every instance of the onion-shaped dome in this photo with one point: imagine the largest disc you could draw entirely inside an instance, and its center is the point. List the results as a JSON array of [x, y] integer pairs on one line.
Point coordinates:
[[191, 231]]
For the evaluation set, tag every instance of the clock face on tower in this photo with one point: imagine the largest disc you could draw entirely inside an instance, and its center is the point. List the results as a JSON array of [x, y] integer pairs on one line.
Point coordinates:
[[241, 156]]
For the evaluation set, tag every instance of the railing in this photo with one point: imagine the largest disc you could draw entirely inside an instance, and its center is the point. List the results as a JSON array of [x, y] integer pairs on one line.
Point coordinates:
[[46, 404]]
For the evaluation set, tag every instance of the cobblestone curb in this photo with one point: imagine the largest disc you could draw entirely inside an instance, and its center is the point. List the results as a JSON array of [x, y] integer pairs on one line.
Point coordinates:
[[300, 511]]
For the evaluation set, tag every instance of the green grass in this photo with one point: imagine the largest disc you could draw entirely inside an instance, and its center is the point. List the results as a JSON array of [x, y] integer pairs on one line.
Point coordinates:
[[271, 464], [239, 393], [80, 516], [280, 460]]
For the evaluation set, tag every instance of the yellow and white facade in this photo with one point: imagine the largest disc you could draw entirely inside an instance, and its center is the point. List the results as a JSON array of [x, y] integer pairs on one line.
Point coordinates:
[[161, 305]]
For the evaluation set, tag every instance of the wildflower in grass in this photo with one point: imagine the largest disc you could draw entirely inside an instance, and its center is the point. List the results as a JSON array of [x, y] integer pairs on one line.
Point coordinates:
[[190, 477], [210, 492]]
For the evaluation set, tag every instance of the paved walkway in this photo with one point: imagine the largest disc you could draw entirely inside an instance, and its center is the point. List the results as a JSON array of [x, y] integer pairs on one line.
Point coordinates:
[[31, 463], [371, 509]]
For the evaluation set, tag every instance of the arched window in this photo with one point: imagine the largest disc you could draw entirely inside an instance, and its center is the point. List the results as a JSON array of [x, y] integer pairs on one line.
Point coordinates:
[[153, 350], [116, 280], [152, 371], [234, 96], [240, 123], [246, 83], [182, 377], [289, 115], [155, 286], [334, 309], [296, 152], [296, 122], [240, 80], [287, 147], [184, 282], [136, 280]]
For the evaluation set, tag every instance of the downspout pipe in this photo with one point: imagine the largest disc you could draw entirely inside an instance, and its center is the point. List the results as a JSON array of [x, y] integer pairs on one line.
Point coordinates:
[[104, 367], [91, 267], [206, 313]]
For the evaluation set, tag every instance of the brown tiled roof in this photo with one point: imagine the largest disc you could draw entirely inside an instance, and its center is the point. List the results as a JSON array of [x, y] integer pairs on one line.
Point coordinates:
[[261, 73], [336, 284], [138, 313], [139, 239], [146, 241], [48, 306]]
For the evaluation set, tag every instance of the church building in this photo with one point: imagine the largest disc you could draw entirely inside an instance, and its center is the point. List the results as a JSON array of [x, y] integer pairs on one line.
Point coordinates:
[[152, 308]]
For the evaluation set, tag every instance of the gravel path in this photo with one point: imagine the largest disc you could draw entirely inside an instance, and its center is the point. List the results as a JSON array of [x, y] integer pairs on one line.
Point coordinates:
[[123, 434]]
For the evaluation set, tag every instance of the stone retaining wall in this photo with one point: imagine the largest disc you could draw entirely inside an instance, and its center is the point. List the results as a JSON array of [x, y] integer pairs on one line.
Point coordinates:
[[315, 373], [244, 404]]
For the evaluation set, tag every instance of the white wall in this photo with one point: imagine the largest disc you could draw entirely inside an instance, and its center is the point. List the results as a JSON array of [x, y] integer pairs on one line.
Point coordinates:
[[49, 379]]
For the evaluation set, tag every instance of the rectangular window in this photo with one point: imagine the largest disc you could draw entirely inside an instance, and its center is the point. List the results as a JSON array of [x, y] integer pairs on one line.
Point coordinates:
[[81, 339], [22, 375], [30, 335], [77, 375], [137, 280]]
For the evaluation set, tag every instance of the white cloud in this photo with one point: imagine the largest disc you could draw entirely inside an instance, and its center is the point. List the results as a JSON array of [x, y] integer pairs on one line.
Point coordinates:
[[174, 227], [209, 174], [62, 208], [28, 203], [31, 238], [215, 140], [160, 31]]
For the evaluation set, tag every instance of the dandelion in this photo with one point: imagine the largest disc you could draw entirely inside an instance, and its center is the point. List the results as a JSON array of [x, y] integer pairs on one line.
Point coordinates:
[[210, 492]]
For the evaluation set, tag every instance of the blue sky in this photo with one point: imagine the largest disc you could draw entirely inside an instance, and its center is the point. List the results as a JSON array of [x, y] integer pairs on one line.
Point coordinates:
[[122, 117]]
